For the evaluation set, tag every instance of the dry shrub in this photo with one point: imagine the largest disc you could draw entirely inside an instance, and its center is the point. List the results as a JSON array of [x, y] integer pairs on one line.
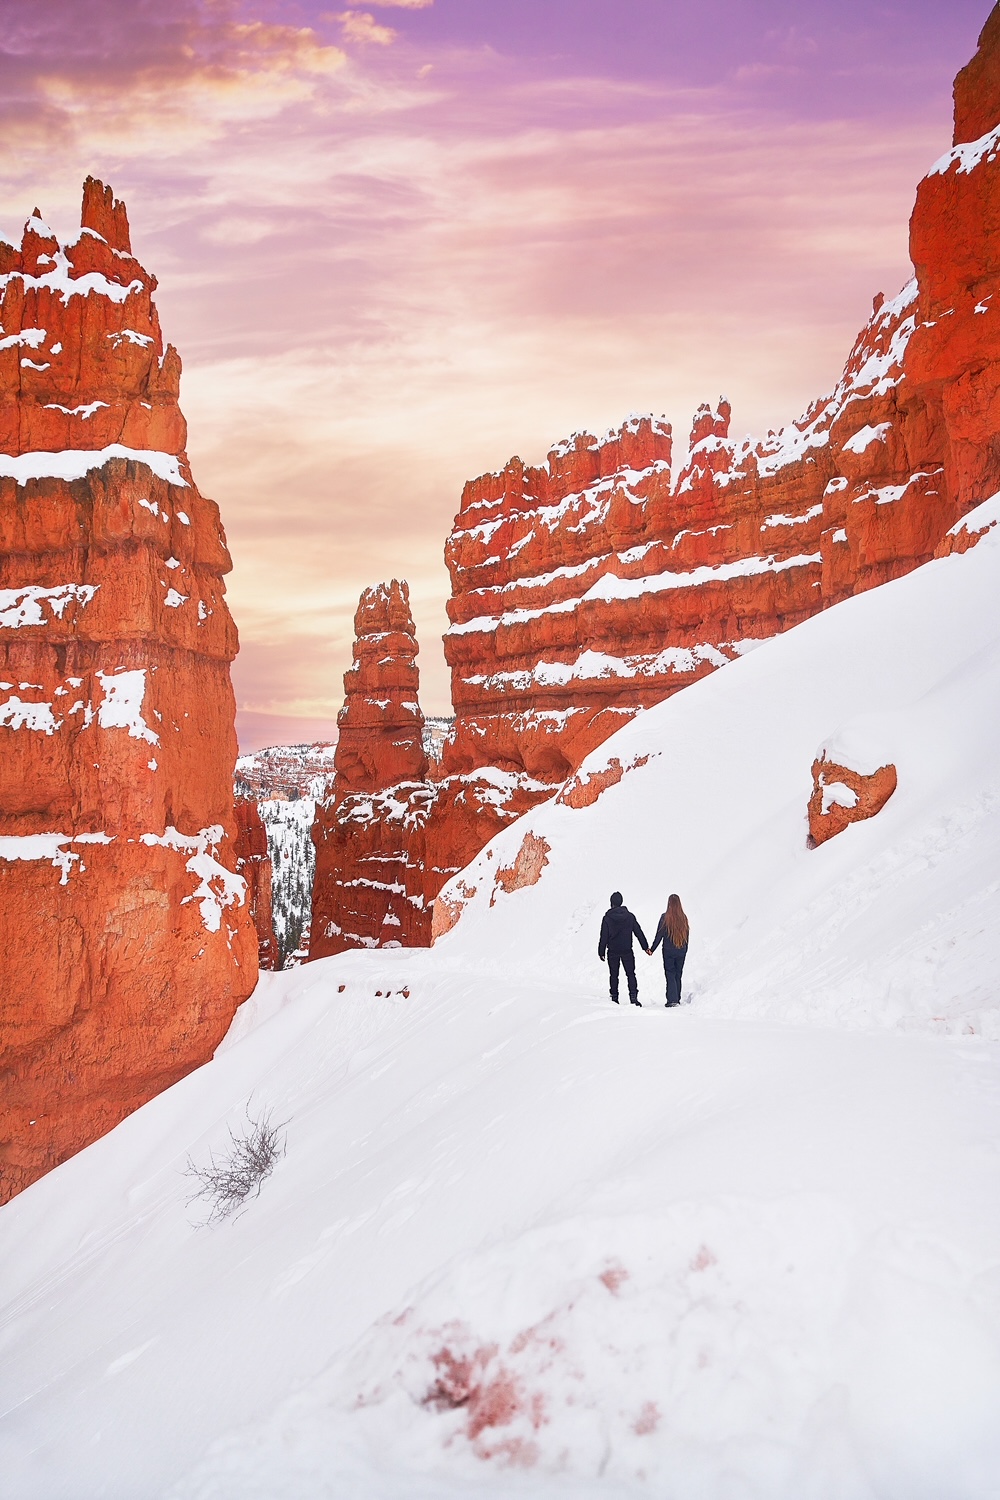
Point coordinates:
[[229, 1183]]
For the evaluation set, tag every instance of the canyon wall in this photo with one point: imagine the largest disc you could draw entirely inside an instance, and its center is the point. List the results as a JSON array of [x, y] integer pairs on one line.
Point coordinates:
[[126, 941], [589, 587], [601, 582]]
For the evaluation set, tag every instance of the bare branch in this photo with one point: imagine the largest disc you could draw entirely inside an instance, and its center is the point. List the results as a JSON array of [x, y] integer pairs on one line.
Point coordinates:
[[229, 1183]]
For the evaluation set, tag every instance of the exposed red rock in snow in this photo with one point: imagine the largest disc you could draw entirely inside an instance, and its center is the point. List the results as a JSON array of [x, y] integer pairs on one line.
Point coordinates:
[[966, 533], [126, 944], [842, 796], [529, 862], [253, 861], [583, 790]]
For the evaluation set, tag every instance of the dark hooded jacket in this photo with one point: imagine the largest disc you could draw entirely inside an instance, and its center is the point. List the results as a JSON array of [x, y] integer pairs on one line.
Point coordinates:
[[617, 930]]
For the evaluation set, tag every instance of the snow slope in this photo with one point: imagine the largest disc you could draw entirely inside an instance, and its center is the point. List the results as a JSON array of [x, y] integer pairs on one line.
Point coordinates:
[[524, 1243], [895, 922]]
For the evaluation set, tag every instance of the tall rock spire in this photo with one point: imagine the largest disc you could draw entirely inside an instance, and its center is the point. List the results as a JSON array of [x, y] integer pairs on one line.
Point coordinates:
[[380, 727], [369, 884], [127, 945]]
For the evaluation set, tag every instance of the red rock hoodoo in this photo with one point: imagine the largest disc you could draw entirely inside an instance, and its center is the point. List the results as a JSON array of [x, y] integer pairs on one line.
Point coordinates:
[[598, 584], [127, 945], [369, 882], [393, 829]]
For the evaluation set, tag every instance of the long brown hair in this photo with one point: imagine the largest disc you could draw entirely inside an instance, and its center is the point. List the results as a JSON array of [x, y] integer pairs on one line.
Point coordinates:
[[675, 923]]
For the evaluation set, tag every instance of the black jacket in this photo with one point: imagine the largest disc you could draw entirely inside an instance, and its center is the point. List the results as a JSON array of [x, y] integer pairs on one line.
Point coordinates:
[[617, 931], [670, 948]]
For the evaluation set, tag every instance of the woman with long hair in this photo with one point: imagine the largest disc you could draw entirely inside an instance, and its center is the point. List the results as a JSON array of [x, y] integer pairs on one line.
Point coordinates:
[[672, 931]]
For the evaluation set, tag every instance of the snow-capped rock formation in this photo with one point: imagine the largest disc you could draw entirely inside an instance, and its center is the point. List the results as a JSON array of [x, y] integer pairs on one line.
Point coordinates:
[[593, 586], [393, 827], [285, 771], [368, 888], [127, 944]]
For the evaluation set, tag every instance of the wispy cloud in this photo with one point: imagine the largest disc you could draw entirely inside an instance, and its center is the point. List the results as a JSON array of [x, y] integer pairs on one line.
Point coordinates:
[[145, 78], [360, 26]]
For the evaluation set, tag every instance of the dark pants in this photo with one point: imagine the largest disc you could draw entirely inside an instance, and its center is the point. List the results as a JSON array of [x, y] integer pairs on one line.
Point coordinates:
[[673, 968], [627, 960]]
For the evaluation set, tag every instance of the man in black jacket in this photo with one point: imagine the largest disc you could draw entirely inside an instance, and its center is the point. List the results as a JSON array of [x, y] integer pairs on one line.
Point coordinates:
[[617, 931]]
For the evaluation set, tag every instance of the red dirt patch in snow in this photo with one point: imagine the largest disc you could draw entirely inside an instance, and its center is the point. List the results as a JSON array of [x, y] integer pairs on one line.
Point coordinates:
[[613, 1277], [490, 1398], [516, 1453], [648, 1419], [495, 1404]]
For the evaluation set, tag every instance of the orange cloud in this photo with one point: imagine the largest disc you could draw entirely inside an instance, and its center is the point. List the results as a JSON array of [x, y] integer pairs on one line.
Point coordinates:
[[148, 78], [361, 27]]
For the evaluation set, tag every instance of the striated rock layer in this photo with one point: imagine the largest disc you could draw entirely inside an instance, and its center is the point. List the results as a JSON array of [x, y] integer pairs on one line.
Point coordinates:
[[599, 583], [368, 883], [126, 941]]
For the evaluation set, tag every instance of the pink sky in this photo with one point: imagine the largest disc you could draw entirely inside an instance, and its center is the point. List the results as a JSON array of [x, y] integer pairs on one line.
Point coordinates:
[[398, 243]]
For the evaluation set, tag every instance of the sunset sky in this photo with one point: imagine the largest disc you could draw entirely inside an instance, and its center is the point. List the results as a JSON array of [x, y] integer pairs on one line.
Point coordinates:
[[398, 243]]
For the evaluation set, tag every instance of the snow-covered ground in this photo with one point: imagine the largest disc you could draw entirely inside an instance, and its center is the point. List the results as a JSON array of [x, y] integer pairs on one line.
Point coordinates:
[[525, 1243]]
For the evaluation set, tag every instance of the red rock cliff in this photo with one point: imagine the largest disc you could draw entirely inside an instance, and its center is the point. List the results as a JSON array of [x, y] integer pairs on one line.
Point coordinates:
[[595, 585], [126, 943]]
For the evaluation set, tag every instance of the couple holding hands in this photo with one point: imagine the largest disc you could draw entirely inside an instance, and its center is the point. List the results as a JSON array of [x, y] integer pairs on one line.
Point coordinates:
[[620, 926]]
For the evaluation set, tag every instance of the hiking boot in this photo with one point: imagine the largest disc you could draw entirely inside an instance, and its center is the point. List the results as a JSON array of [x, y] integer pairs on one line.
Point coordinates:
[[637, 1002]]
